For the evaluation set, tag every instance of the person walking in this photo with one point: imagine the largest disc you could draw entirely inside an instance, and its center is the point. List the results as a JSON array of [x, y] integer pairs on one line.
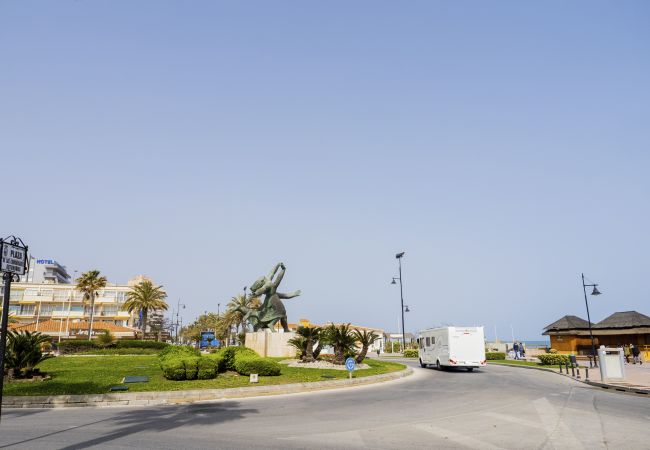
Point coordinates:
[[635, 354], [626, 352], [515, 347], [522, 350]]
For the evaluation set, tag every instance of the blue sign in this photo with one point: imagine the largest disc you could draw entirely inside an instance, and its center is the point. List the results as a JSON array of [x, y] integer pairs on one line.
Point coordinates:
[[208, 339], [350, 364], [45, 261]]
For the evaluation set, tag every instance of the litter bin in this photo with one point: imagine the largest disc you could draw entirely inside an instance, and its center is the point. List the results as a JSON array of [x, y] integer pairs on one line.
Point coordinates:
[[612, 366]]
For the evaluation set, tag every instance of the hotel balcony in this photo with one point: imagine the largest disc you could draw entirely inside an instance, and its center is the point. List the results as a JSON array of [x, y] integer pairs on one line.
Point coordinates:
[[64, 314]]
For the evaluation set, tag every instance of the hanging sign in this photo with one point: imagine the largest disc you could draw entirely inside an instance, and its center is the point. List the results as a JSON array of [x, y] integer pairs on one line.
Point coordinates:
[[14, 258]]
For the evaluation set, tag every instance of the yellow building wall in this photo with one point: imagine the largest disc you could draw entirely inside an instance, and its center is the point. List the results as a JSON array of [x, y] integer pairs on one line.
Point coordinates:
[[568, 344]]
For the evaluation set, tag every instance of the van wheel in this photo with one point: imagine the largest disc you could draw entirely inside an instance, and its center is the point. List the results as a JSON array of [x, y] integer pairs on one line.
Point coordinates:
[[422, 364], [470, 369], [438, 365]]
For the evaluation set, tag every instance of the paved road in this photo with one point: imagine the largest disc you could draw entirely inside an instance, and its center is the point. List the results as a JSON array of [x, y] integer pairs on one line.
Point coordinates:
[[496, 407]]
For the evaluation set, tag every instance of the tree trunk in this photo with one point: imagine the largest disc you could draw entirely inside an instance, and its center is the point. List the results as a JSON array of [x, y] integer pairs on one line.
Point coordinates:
[[339, 356], [92, 315], [309, 351], [318, 349], [362, 355], [144, 322]]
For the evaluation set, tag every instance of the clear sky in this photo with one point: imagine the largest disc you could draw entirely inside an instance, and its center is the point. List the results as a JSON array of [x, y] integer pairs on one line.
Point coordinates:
[[502, 145]]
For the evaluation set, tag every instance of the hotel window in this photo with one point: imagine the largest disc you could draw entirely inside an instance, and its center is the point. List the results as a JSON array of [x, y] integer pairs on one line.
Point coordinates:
[[31, 292], [109, 294], [26, 310], [62, 295], [16, 295], [109, 311]]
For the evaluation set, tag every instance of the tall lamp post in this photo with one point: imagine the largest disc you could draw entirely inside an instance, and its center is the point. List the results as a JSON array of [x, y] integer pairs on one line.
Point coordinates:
[[178, 310], [594, 292], [401, 295]]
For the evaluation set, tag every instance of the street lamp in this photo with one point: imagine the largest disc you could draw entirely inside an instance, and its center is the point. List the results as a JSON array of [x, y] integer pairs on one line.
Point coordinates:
[[595, 291], [401, 295], [178, 310]]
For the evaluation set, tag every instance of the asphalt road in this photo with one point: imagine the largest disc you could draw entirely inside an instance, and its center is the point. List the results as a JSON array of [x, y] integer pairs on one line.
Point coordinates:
[[495, 407]]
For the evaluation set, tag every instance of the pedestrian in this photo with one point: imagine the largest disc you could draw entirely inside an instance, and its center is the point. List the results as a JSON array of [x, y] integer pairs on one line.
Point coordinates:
[[635, 355], [515, 347], [522, 350], [626, 352]]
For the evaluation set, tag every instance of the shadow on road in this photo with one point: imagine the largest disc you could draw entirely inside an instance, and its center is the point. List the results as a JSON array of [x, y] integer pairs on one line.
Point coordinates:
[[158, 419]]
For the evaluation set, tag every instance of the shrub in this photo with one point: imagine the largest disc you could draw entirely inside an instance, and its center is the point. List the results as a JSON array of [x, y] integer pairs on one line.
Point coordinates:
[[410, 353], [105, 339], [229, 354], [178, 351], [492, 356], [207, 368], [551, 359], [191, 367], [67, 347], [218, 360], [142, 344], [173, 369], [24, 352], [552, 350], [247, 364]]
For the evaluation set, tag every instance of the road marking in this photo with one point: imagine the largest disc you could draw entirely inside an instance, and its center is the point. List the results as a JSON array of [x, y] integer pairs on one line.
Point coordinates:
[[517, 420], [456, 437], [347, 439], [559, 435]]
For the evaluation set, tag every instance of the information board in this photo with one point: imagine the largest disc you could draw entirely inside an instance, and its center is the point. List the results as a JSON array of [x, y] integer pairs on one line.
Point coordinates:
[[13, 259]]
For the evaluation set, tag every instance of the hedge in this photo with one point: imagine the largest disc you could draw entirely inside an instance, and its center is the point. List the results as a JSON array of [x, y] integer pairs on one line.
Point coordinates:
[[492, 356], [410, 353], [550, 359], [218, 359], [173, 369], [247, 364], [191, 367], [142, 344], [67, 347], [178, 350], [229, 354], [207, 368]]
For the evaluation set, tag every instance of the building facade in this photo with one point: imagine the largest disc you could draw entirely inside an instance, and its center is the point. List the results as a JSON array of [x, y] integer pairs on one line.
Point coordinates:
[[45, 271]]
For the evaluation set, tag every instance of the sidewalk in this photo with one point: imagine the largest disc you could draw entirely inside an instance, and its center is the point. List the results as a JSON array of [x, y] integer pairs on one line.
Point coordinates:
[[637, 376]]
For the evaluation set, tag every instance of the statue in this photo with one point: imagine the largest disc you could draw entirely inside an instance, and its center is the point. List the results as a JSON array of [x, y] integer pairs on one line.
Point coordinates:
[[272, 310]]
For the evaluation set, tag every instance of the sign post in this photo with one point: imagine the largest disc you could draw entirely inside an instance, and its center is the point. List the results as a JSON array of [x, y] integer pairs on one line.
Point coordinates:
[[350, 364], [13, 263]]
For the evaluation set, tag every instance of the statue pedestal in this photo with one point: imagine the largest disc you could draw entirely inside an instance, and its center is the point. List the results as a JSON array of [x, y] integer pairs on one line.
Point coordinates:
[[266, 343]]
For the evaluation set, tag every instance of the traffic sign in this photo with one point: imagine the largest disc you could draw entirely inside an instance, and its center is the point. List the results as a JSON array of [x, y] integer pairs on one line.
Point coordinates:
[[14, 258], [350, 364]]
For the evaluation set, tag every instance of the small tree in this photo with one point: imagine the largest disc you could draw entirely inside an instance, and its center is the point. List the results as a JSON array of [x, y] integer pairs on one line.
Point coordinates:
[[88, 284], [24, 351], [143, 298], [342, 339], [366, 339], [105, 339], [311, 336]]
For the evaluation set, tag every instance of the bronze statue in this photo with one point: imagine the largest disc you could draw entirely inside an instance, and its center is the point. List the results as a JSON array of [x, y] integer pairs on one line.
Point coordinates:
[[272, 310]]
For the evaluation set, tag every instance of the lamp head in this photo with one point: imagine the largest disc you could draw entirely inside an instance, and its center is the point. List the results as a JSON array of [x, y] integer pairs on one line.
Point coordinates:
[[393, 282], [595, 291], [399, 255], [406, 309]]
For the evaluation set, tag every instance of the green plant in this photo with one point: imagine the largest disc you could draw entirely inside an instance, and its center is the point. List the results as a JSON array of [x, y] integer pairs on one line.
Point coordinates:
[[411, 353], [247, 364], [493, 356], [207, 368], [551, 359], [342, 339], [178, 351], [145, 297], [132, 343], [311, 335], [173, 369], [229, 354], [552, 350], [191, 367], [366, 339], [218, 360], [300, 344], [23, 351], [105, 339]]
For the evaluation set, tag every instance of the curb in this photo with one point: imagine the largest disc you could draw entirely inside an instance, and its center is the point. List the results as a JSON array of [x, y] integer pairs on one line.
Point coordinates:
[[153, 398], [613, 387]]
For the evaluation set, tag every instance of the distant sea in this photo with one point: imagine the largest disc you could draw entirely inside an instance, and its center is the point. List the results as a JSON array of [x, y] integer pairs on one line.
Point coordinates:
[[537, 343]]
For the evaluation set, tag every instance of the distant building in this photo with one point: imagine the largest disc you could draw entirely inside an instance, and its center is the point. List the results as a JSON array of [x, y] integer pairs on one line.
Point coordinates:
[[570, 334], [45, 271]]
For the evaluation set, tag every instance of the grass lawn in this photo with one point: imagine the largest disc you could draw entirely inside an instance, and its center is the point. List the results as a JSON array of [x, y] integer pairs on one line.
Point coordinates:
[[96, 374]]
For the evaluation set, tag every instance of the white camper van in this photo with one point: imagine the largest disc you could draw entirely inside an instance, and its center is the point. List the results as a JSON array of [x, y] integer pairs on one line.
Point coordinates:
[[452, 347]]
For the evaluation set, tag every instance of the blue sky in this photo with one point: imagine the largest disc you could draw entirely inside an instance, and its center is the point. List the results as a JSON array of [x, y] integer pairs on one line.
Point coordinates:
[[502, 145]]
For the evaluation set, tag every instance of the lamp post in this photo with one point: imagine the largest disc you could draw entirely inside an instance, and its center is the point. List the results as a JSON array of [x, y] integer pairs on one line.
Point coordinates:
[[401, 295], [591, 335], [178, 310]]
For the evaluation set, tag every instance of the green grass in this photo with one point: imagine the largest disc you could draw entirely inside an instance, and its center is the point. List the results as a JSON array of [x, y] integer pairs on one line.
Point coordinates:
[[96, 374], [120, 351]]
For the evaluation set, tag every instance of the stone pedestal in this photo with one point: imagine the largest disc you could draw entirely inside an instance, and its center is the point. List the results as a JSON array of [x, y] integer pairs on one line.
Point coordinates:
[[266, 343]]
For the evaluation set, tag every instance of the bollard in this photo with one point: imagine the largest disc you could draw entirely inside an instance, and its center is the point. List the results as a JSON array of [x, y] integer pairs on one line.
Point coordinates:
[[573, 372], [586, 373], [578, 372]]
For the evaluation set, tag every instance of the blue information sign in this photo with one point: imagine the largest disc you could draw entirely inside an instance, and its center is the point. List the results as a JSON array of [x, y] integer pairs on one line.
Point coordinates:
[[208, 339], [350, 364]]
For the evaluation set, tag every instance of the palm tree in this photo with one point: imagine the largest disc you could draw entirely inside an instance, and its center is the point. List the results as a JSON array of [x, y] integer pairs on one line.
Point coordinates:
[[241, 301], [366, 339], [88, 284], [342, 339], [311, 336], [143, 298], [24, 351]]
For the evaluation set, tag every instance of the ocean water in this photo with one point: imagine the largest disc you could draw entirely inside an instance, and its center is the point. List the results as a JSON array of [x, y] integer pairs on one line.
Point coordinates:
[[532, 344]]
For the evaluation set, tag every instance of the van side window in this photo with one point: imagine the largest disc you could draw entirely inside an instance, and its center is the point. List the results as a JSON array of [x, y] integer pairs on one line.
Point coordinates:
[[433, 340], [428, 342]]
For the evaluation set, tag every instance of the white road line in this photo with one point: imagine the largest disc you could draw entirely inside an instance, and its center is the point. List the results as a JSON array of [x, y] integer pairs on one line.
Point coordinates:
[[456, 437], [517, 420], [559, 435], [348, 439]]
